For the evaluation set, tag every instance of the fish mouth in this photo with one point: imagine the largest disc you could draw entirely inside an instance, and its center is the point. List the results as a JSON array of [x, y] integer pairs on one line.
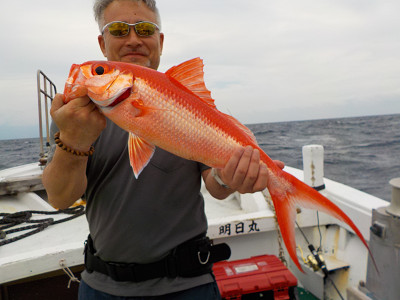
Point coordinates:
[[122, 97], [113, 101]]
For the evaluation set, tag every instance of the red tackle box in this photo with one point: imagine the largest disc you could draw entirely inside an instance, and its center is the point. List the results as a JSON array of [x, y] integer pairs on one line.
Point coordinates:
[[258, 277]]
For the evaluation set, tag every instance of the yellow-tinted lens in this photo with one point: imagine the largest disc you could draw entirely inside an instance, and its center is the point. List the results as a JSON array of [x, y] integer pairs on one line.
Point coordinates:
[[145, 29], [118, 29]]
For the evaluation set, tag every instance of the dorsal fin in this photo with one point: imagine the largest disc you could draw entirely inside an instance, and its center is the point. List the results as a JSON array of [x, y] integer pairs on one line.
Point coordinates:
[[190, 74]]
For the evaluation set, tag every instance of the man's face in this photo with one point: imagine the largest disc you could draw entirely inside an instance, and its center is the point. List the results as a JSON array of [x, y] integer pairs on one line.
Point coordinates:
[[144, 51]]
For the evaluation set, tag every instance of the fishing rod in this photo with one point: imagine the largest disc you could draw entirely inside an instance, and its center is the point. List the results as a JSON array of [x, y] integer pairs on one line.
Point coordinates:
[[317, 257], [319, 260]]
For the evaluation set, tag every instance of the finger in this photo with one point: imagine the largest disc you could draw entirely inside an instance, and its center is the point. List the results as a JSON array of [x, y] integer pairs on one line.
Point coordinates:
[[93, 107], [242, 167], [57, 103], [262, 179], [81, 102], [228, 171], [253, 169], [279, 164]]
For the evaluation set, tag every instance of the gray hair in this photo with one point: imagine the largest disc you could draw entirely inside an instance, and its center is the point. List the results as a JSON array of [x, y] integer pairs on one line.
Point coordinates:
[[100, 5]]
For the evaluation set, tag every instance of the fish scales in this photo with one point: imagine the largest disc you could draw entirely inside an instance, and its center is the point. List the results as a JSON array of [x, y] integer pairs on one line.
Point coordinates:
[[175, 111], [193, 127]]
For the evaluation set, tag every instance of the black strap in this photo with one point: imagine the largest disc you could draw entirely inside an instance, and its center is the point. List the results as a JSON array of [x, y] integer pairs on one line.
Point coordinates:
[[192, 258]]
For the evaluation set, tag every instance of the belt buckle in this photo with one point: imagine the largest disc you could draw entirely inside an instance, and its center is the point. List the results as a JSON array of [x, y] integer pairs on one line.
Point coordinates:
[[204, 247], [200, 260]]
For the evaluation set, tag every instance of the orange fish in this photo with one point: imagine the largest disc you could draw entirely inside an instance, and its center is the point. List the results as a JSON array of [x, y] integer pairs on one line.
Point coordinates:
[[175, 111]]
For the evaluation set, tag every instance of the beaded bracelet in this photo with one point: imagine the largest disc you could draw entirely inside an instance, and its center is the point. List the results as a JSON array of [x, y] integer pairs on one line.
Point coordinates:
[[60, 144]]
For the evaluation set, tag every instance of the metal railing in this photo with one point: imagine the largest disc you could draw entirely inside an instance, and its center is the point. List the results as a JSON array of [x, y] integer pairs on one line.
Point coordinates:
[[46, 91]]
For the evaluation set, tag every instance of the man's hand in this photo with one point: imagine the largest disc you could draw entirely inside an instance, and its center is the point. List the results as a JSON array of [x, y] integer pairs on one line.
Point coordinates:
[[79, 121], [243, 173]]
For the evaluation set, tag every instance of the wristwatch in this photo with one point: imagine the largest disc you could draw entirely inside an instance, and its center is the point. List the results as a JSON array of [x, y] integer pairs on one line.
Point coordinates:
[[218, 179]]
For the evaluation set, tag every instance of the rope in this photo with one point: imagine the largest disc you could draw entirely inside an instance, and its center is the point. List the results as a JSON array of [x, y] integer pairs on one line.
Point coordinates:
[[279, 238], [72, 277], [10, 220]]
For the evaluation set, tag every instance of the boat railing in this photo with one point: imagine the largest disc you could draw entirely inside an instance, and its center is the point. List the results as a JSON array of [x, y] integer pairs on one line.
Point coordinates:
[[46, 91]]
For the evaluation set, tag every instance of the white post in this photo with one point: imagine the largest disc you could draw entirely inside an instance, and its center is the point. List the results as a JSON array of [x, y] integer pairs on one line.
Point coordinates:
[[394, 207], [313, 166]]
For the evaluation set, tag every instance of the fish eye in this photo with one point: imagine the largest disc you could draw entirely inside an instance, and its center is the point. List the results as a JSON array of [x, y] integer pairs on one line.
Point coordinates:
[[99, 70]]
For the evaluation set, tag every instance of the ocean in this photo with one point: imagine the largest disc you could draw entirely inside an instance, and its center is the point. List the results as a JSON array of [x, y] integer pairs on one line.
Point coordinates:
[[362, 152]]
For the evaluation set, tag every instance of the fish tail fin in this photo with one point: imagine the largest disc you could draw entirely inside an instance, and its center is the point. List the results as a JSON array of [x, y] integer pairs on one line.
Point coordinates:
[[288, 193]]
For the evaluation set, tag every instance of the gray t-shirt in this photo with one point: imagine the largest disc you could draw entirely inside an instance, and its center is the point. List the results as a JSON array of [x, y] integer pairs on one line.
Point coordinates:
[[140, 220]]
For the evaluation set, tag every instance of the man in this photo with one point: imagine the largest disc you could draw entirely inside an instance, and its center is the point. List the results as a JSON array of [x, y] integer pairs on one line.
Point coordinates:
[[137, 221]]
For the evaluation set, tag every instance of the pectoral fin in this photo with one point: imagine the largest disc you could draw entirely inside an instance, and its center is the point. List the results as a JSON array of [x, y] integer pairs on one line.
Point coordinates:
[[140, 153]]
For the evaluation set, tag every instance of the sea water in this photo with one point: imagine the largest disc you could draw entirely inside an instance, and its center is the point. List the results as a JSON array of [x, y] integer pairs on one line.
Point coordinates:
[[362, 152]]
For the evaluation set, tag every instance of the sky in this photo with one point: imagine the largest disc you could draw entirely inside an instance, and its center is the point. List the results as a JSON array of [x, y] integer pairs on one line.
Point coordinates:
[[265, 60]]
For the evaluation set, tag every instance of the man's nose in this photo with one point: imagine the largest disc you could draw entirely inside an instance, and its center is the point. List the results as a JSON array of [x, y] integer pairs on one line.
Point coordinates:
[[133, 38]]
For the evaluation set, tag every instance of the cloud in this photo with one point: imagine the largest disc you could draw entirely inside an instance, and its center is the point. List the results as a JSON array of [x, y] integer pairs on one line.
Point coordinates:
[[277, 60]]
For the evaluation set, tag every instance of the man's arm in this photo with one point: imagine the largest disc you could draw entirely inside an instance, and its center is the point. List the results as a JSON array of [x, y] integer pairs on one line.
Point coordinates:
[[80, 124], [64, 178], [243, 173]]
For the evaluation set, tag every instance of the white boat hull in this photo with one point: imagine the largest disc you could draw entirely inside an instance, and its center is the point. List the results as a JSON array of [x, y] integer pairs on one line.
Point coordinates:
[[245, 222]]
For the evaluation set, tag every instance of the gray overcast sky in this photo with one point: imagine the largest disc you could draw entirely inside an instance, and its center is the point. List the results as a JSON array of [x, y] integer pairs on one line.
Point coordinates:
[[265, 61]]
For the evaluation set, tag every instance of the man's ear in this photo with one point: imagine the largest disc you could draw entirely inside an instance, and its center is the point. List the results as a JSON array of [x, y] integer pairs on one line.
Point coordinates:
[[102, 45], [161, 42]]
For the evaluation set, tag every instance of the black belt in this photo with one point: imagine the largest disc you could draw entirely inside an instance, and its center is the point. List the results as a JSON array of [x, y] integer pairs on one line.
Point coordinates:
[[192, 258]]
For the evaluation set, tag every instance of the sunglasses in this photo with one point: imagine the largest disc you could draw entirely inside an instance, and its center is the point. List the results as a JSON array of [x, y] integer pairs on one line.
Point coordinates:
[[120, 29]]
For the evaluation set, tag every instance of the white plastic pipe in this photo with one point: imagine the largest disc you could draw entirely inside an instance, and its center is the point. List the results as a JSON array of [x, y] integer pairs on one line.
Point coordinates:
[[313, 166], [394, 207]]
